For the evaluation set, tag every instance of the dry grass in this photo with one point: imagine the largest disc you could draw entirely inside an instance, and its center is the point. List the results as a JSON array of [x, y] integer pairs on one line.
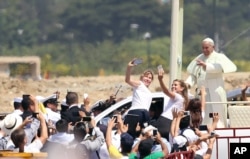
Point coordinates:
[[100, 87]]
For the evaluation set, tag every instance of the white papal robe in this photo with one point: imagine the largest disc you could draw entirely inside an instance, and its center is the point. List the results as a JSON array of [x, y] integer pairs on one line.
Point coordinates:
[[212, 79]]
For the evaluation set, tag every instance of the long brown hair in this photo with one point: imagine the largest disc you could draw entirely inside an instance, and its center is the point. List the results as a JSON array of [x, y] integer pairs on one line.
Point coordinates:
[[194, 106], [184, 92]]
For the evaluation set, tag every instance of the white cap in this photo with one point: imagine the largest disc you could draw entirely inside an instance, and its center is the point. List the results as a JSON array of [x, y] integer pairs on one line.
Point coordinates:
[[53, 96], [18, 99], [40, 98], [209, 40], [43, 99], [64, 102]]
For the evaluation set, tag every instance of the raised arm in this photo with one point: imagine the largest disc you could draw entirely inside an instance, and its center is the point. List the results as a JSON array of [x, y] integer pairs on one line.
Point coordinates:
[[109, 130], [203, 98], [173, 124], [163, 146], [44, 131], [163, 86], [215, 122], [243, 92], [128, 79]]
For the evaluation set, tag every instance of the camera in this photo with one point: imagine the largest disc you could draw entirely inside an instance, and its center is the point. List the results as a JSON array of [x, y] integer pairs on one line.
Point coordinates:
[[154, 132], [115, 117], [203, 128], [186, 113], [34, 115], [86, 118], [211, 115]]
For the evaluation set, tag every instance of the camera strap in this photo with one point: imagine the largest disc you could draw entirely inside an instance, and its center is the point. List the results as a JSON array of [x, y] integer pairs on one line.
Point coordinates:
[[97, 154]]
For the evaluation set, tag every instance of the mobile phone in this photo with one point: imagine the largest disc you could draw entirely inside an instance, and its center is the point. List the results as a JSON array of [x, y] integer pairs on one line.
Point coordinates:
[[115, 117], [159, 67], [154, 132], [137, 61], [203, 128], [86, 118], [25, 96], [85, 95], [34, 115], [211, 115], [186, 113]]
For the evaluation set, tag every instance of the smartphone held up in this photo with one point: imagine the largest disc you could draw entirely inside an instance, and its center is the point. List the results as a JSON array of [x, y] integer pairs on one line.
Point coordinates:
[[211, 115], [159, 68], [154, 132], [115, 117], [186, 113], [86, 118], [137, 61]]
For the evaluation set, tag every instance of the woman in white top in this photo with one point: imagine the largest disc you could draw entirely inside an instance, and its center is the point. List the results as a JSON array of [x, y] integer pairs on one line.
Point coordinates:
[[178, 99], [196, 106], [142, 97]]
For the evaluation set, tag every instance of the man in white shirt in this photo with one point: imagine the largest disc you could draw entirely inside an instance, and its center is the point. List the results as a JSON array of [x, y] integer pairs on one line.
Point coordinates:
[[18, 106], [207, 70], [51, 105], [62, 136]]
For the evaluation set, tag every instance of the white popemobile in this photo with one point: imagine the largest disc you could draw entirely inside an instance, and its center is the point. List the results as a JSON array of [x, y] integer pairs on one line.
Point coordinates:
[[238, 129]]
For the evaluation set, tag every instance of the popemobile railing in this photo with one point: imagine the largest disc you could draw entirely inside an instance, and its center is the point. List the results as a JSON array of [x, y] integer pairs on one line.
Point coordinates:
[[229, 135], [181, 155]]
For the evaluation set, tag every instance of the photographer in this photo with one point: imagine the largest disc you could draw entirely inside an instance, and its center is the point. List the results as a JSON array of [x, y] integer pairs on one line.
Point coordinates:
[[88, 139], [125, 139], [145, 146]]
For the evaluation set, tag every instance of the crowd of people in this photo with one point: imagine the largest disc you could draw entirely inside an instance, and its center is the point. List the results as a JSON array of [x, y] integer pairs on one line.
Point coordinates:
[[185, 124]]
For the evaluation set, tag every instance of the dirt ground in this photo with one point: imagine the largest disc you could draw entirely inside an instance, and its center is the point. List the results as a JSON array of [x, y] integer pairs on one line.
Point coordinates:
[[100, 87]]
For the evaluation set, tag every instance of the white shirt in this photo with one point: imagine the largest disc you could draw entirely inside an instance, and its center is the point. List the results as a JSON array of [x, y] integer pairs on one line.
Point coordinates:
[[177, 102], [51, 115], [203, 149], [116, 139], [61, 137], [212, 79], [142, 97], [17, 111], [34, 147], [190, 137]]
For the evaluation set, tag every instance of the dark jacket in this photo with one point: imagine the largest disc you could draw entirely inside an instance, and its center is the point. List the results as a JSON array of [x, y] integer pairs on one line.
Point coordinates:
[[72, 114]]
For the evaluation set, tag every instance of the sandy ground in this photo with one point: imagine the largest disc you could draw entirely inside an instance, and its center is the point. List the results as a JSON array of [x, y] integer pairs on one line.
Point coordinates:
[[100, 87]]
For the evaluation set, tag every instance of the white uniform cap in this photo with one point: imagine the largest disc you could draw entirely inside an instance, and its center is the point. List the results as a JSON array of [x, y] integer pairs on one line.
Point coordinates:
[[18, 99], [43, 99], [40, 98], [209, 40], [64, 102]]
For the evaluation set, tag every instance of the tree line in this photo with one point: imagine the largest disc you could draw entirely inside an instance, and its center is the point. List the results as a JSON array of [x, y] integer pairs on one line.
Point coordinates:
[[94, 37]]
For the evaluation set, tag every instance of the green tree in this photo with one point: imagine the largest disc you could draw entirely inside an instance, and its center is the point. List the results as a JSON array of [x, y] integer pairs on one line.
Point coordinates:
[[96, 20]]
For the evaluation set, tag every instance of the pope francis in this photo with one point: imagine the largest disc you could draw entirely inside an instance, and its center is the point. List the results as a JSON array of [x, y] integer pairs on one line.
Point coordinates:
[[207, 70]]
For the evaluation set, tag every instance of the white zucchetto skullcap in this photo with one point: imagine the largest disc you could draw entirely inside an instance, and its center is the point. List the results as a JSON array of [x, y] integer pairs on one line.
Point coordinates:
[[209, 40]]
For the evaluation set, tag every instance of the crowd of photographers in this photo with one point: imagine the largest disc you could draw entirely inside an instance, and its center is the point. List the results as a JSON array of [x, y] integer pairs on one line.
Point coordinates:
[[37, 126]]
